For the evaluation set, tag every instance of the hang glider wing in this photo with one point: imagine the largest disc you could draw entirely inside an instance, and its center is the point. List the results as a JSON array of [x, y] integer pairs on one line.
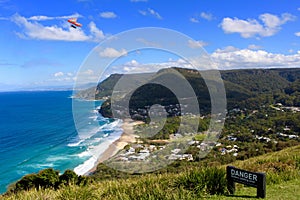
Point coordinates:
[[74, 23]]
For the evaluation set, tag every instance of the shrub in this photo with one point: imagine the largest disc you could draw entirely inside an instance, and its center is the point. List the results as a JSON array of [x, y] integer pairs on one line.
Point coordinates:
[[48, 178], [26, 183], [215, 180], [192, 180], [209, 180], [68, 177], [127, 147]]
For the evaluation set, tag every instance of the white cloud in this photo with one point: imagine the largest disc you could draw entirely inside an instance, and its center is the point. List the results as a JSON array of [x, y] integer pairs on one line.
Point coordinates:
[[96, 34], [227, 49], [35, 30], [254, 47], [246, 28], [59, 74], [246, 58], [86, 76], [133, 62], [297, 34], [204, 15], [207, 16], [40, 18], [196, 44], [134, 66], [108, 15], [150, 12], [63, 77], [273, 21], [81, 77], [154, 13], [194, 20], [112, 53], [131, 66], [88, 72], [43, 17], [270, 25], [142, 12], [227, 58]]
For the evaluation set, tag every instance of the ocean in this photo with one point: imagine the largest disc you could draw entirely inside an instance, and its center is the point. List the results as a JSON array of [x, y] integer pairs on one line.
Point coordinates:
[[37, 131]]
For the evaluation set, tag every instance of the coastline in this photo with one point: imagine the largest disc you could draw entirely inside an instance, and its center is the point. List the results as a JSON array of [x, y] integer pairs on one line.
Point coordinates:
[[126, 137]]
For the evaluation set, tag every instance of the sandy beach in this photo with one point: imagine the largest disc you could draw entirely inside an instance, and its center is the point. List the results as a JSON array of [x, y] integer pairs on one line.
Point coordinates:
[[127, 137]]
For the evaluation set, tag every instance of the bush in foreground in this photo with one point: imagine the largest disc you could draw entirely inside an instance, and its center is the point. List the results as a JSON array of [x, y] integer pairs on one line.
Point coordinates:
[[210, 180], [47, 178]]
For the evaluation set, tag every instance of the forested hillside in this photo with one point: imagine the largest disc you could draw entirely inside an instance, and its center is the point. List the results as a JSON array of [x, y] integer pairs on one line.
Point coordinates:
[[245, 88]]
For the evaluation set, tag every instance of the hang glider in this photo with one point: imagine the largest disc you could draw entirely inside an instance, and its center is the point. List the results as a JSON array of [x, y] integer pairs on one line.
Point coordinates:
[[74, 23]]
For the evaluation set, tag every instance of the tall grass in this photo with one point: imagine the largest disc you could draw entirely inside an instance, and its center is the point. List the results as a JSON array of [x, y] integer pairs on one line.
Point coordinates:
[[203, 181], [279, 166], [193, 183]]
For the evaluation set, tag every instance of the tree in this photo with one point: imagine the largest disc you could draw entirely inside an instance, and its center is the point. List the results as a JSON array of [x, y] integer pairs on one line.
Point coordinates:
[[26, 183], [68, 177], [48, 178]]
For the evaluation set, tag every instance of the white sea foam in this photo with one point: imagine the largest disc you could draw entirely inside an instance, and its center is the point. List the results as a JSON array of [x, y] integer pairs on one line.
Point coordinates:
[[55, 158], [97, 139], [86, 166], [87, 133], [41, 165], [95, 149], [111, 126], [95, 152], [75, 144], [95, 111], [84, 154], [95, 117], [105, 135]]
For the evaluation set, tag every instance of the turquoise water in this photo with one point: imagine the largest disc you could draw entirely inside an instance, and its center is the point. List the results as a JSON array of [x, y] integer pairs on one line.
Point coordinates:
[[37, 131]]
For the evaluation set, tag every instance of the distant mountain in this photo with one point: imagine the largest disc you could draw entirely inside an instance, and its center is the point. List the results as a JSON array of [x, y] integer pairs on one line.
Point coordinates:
[[11, 88], [259, 80], [244, 88]]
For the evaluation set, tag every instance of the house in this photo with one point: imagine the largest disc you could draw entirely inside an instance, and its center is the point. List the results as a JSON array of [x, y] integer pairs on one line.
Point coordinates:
[[231, 138], [175, 151], [188, 157], [218, 144]]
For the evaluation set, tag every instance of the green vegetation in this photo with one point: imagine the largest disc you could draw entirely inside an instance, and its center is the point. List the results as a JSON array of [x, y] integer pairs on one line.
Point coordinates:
[[282, 182], [170, 127], [244, 89], [47, 178], [208, 180], [261, 133]]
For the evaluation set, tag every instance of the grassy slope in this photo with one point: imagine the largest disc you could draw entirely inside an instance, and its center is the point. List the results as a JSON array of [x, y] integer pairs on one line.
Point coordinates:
[[283, 182], [288, 190]]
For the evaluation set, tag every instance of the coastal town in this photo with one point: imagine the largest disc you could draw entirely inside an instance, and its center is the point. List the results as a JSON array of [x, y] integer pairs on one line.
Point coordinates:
[[230, 144]]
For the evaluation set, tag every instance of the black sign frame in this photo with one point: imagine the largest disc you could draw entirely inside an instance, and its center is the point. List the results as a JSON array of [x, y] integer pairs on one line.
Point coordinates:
[[252, 179]]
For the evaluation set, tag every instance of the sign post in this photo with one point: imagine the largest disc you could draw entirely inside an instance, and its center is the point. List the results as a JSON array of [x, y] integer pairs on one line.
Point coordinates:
[[253, 179]]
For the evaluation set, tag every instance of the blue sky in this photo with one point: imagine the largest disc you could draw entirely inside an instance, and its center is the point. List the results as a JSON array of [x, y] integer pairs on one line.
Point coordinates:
[[39, 48]]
